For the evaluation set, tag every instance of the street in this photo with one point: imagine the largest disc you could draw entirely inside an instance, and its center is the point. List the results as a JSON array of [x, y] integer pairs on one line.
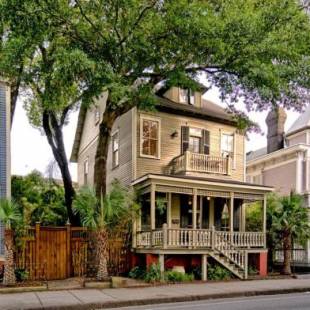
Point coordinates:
[[274, 302]]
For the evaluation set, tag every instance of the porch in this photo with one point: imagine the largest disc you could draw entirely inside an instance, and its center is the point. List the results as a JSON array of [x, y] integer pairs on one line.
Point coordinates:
[[186, 215]]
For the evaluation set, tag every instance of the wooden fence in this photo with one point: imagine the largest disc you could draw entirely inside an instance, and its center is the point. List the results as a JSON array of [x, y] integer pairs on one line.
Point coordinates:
[[49, 253]]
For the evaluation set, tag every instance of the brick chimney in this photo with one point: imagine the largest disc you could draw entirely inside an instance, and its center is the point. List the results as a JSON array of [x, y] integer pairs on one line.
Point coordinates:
[[275, 123]]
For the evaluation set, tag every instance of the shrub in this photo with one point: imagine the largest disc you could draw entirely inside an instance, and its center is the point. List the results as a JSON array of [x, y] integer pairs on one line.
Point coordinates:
[[252, 270], [174, 276], [153, 274], [21, 274], [137, 273], [218, 272]]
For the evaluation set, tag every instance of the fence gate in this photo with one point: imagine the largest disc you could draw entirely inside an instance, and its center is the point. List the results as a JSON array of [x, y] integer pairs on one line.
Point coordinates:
[[49, 253]]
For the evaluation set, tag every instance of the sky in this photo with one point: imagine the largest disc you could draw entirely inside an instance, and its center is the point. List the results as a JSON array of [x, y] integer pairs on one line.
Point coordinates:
[[30, 149]]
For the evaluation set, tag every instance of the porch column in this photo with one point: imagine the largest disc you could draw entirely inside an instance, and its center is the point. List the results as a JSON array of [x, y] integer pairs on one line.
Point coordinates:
[[264, 217], [299, 172], [242, 217], [211, 212], [169, 210], [231, 212], [204, 267], [194, 213], [153, 206]]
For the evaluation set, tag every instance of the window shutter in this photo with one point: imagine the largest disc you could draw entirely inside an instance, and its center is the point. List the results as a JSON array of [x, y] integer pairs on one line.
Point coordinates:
[[205, 142], [185, 139]]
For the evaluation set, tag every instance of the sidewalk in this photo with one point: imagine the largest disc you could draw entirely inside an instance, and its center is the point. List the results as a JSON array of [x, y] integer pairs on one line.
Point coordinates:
[[105, 298]]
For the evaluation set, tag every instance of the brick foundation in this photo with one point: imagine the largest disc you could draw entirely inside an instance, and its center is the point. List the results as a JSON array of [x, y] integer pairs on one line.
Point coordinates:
[[262, 264]]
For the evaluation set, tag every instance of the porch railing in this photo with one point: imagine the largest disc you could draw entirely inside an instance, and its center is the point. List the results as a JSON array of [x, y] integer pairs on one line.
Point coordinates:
[[298, 256], [198, 238], [195, 162]]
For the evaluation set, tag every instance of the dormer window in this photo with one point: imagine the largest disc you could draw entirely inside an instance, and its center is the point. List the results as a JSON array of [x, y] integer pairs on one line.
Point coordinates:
[[187, 96]]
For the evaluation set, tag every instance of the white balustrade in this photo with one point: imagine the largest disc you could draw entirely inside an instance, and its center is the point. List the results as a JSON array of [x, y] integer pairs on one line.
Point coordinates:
[[200, 238], [201, 163], [298, 256]]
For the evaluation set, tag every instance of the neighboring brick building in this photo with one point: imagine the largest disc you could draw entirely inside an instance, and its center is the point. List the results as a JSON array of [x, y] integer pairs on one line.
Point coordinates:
[[4, 149]]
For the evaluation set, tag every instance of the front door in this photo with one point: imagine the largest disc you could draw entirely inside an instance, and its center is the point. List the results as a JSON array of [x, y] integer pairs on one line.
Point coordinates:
[[186, 208]]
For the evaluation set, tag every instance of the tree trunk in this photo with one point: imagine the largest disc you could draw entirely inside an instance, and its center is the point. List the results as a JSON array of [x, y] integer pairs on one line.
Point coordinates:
[[102, 252], [9, 277], [100, 169], [54, 136], [287, 248]]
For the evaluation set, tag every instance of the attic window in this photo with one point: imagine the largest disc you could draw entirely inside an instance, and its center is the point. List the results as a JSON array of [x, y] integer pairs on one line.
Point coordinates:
[[187, 96]]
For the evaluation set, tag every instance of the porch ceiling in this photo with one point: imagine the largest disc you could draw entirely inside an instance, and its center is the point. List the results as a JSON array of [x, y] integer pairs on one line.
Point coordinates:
[[205, 186]]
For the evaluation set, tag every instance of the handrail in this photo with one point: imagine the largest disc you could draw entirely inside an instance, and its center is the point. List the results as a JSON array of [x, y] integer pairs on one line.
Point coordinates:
[[199, 238], [196, 162]]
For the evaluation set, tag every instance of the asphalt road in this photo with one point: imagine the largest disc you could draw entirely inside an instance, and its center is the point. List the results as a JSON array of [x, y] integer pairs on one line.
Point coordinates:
[[275, 302]]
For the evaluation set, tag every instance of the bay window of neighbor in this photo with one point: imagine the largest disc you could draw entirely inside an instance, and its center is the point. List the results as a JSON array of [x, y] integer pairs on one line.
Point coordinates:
[[227, 145], [150, 138], [115, 149]]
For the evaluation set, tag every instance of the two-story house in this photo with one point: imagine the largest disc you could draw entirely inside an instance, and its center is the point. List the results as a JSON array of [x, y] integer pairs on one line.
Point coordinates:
[[5, 181], [187, 159], [285, 164]]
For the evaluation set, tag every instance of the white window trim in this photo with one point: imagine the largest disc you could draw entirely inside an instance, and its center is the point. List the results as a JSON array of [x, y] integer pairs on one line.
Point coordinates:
[[85, 173], [226, 132], [112, 135], [97, 119], [155, 119]]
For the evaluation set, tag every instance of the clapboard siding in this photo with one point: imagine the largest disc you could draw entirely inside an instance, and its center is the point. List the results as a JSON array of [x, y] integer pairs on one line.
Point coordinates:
[[88, 151], [4, 150], [171, 147]]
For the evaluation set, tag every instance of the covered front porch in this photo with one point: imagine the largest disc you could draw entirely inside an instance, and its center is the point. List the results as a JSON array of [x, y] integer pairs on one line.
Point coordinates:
[[183, 215]]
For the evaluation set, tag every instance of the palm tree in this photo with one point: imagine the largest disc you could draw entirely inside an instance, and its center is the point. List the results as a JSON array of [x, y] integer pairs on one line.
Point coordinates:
[[10, 216], [105, 216], [289, 220]]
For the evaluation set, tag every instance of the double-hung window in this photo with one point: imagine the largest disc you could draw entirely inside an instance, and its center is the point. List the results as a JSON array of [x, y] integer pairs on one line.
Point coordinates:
[[187, 96], [195, 135], [150, 137], [115, 149], [227, 145]]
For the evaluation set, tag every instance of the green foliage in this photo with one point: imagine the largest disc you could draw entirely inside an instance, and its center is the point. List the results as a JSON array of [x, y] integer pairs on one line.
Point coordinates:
[[248, 48], [217, 272], [21, 274], [254, 216], [252, 270], [115, 211], [287, 215], [39, 199], [9, 213], [137, 273], [174, 276], [161, 205], [153, 274]]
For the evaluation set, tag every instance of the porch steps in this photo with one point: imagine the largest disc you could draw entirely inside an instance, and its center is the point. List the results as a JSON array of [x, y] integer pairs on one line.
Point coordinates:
[[229, 264]]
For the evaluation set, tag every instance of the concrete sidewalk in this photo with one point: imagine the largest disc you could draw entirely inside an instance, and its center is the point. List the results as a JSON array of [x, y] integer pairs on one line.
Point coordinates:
[[106, 298]]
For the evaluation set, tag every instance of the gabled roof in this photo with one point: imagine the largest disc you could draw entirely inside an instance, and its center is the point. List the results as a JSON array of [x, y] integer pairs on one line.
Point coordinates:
[[302, 122], [208, 111]]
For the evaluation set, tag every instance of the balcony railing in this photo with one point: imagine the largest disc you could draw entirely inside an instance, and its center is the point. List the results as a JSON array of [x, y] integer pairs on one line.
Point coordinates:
[[194, 162], [175, 238]]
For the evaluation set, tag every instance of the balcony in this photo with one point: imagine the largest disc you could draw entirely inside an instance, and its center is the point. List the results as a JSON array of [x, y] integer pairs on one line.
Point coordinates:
[[201, 163]]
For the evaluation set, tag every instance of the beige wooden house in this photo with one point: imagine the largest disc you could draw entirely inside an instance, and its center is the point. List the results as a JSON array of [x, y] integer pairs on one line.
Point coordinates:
[[187, 159]]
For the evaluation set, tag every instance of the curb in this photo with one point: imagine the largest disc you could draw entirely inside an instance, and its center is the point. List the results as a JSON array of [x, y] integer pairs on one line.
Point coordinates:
[[152, 301], [12, 290]]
